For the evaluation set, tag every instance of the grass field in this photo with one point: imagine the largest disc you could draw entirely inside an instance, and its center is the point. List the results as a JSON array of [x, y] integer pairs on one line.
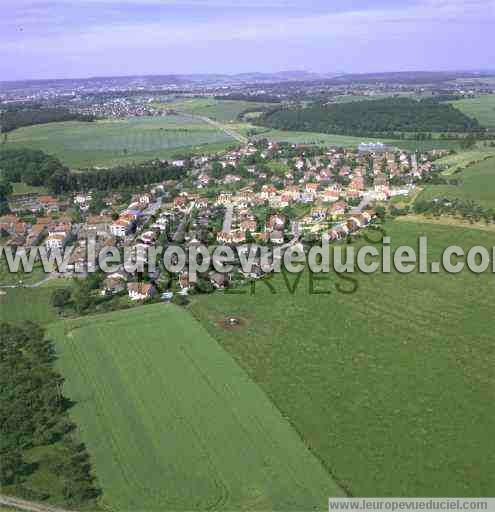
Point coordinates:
[[224, 111], [391, 386], [111, 142], [27, 304], [478, 185], [481, 108], [172, 423], [325, 139], [452, 163]]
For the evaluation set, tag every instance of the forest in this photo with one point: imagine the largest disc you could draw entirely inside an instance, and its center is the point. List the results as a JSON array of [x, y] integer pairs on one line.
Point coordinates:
[[388, 117], [16, 117], [37, 168], [34, 414]]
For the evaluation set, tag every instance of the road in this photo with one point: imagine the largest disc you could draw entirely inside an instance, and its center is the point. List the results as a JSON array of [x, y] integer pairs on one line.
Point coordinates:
[[9, 501], [219, 126], [367, 199], [227, 220]]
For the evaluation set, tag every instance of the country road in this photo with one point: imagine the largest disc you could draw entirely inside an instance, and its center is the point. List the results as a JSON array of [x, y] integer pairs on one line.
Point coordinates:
[[8, 501], [220, 126]]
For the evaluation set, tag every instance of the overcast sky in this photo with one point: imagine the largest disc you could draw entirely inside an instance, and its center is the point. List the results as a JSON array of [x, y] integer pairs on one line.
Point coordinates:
[[80, 38]]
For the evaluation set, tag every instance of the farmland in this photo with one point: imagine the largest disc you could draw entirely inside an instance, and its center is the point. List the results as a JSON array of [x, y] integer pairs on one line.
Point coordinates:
[[172, 423], [397, 375], [481, 108], [223, 111], [112, 142], [478, 185]]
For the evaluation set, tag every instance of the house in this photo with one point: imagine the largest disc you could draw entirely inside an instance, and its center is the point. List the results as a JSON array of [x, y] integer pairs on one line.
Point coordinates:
[[140, 291], [219, 281], [113, 285], [120, 228], [276, 222], [277, 237], [56, 241], [338, 208]]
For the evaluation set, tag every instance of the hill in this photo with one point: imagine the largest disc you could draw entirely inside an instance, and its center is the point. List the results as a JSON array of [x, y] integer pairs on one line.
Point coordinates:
[[380, 117]]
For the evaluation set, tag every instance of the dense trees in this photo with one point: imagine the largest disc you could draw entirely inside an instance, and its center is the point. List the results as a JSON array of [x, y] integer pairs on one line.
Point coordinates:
[[5, 191], [33, 412], [390, 117], [17, 116], [37, 168]]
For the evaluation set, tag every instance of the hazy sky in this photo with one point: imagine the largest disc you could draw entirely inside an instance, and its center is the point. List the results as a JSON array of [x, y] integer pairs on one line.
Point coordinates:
[[78, 38]]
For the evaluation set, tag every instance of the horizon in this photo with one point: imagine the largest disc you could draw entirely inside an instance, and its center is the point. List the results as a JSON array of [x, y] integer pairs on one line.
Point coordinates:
[[58, 39], [323, 75]]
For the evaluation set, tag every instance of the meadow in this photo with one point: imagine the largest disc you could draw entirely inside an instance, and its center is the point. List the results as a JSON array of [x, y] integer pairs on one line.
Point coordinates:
[[325, 139], [390, 386], [459, 161], [172, 422], [111, 142], [223, 111], [478, 185], [481, 108]]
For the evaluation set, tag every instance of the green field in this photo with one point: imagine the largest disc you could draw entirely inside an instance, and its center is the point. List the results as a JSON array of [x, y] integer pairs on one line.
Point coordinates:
[[391, 386], [478, 185], [482, 108], [111, 142], [172, 423], [451, 163], [325, 139], [19, 305], [224, 111]]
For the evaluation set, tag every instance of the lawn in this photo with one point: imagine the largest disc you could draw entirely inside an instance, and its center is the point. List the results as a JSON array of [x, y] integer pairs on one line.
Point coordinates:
[[391, 386], [482, 108], [112, 142], [325, 139], [223, 111], [478, 185], [172, 423]]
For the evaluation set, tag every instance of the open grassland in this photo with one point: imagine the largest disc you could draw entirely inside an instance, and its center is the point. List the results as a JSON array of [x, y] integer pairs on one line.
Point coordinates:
[[481, 108], [392, 386], [172, 423], [463, 159], [324, 139], [223, 111], [112, 142], [478, 185], [18, 305]]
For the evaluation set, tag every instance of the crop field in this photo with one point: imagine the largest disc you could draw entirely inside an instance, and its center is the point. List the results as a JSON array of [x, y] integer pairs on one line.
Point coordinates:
[[392, 386], [111, 142], [478, 185], [223, 111], [482, 108], [173, 423], [325, 139]]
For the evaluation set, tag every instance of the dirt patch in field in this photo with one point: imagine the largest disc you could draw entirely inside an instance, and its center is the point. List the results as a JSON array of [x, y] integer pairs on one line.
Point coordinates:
[[231, 323]]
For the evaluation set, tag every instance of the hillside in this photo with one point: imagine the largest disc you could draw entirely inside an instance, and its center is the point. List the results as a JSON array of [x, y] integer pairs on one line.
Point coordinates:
[[380, 117]]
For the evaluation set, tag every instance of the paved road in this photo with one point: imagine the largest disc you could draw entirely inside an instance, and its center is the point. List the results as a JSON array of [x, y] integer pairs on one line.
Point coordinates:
[[227, 220], [35, 285], [367, 199], [30, 506]]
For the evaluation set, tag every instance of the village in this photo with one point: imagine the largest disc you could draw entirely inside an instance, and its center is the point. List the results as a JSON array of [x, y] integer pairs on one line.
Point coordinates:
[[275, 195]]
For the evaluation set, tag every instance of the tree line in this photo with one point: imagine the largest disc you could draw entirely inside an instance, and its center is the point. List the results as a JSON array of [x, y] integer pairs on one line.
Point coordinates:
[[33, 413], [36, 168], [16, 117], [388, 117]]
